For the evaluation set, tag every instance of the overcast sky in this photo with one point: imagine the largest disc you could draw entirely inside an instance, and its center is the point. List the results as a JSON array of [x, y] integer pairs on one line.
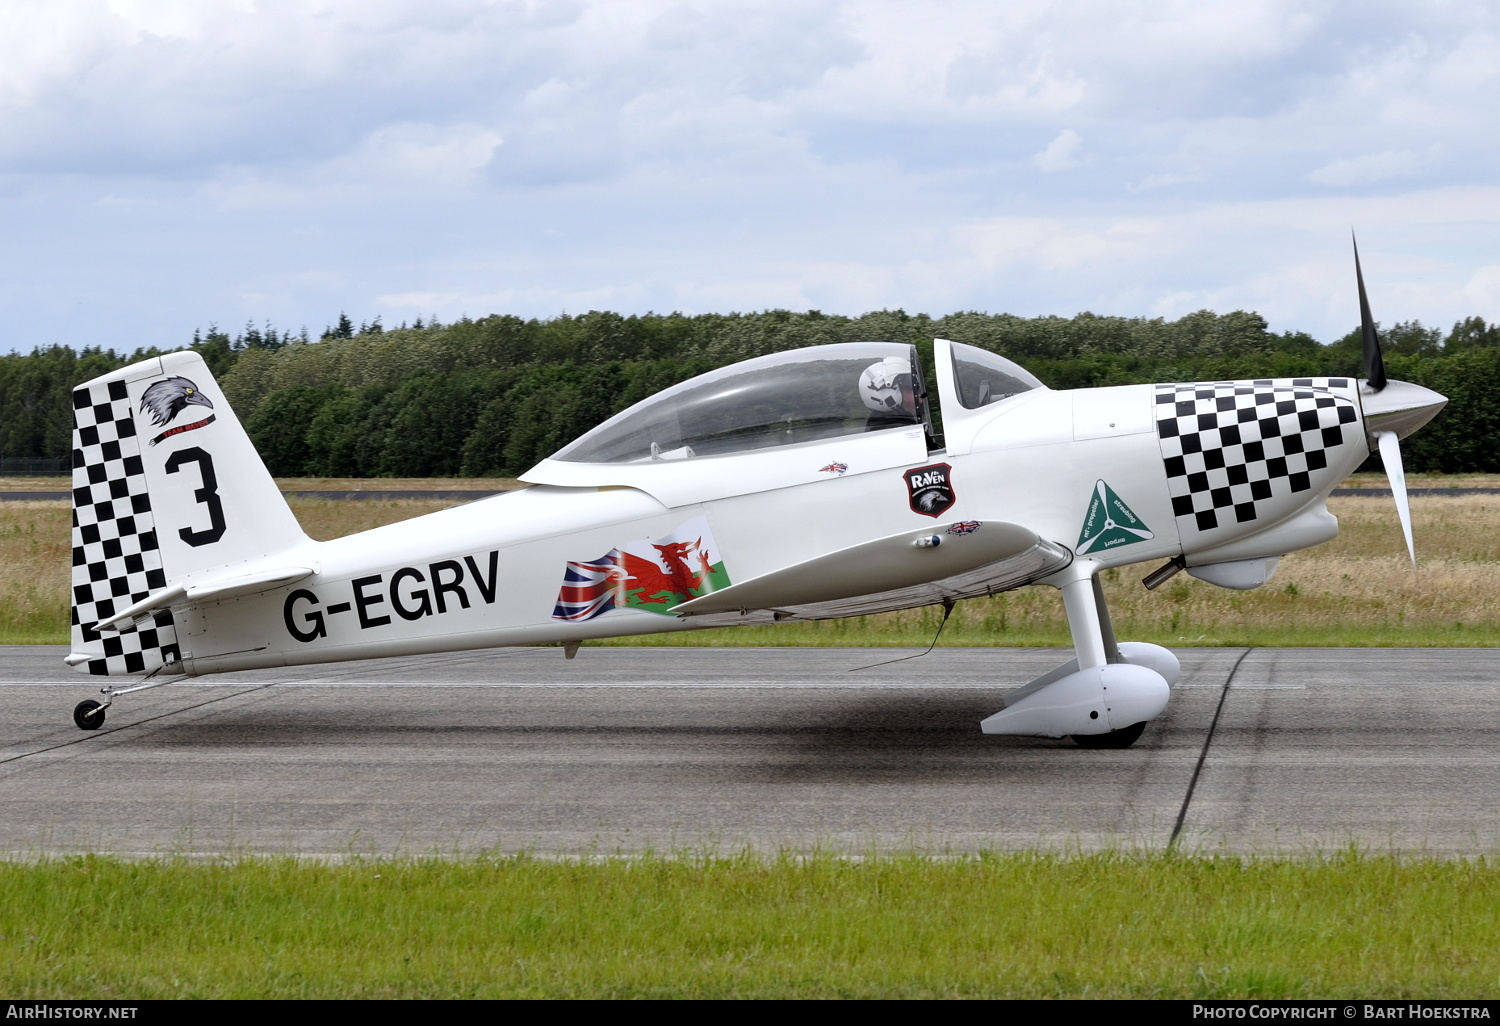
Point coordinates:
[[168, 163]]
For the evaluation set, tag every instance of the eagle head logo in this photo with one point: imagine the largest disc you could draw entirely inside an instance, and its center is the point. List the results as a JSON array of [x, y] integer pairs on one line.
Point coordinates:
[[169, 397]]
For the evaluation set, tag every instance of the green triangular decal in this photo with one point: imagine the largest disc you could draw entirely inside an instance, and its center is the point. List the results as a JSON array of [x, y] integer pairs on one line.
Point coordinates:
[[1110, 523]]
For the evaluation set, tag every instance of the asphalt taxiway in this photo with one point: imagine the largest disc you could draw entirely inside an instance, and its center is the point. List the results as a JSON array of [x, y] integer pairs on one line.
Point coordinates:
[[630, 749]]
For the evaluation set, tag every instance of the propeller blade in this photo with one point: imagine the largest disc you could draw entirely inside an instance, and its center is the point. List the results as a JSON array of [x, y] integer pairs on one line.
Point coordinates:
[[1390, 455], [1374, 362]]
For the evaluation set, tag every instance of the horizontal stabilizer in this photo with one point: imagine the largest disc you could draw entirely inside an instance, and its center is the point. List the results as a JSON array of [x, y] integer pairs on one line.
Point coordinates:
[[899, 561], [205, 591]]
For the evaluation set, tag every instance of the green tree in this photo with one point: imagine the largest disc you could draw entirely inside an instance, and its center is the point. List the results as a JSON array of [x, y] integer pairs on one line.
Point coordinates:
[[343, 329], [280, 428], [1472, 333], [217, 350]]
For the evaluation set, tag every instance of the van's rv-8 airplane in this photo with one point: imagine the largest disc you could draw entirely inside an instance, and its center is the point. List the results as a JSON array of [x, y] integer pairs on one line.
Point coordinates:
[[797, 486]]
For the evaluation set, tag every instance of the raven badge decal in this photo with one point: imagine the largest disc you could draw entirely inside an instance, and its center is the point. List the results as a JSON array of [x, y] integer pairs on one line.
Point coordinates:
[[165, 399], [930, 489], [1110, 523]]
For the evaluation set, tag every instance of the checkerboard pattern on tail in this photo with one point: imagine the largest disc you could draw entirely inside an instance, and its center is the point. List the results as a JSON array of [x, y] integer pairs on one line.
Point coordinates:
[[116, 560], [1230, 447]]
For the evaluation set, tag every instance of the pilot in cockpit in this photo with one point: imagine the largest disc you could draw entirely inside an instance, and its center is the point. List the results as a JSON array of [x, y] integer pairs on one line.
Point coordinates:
[[888, 389]]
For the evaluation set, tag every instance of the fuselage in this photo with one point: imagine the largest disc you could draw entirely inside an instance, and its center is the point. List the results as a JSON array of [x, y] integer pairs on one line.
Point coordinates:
[[1214, 472]]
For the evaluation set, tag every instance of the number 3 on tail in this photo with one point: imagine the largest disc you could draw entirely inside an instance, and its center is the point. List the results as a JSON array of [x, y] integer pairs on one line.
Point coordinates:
[[208, 495]]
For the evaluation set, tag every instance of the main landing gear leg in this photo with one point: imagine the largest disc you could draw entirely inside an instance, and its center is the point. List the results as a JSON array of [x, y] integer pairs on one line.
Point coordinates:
[[1088, 620], [1104, 696]]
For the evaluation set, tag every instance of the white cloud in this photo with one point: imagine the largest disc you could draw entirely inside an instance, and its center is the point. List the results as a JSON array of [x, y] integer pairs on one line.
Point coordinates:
[[1371, 167], [193, 161], [1482, 290], [1163, 181], [1061, 154], [418, 301], [420, 153]]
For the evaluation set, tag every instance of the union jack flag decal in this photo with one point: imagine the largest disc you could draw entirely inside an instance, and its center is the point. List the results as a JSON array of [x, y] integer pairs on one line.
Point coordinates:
[[964, 527], [589, 588]]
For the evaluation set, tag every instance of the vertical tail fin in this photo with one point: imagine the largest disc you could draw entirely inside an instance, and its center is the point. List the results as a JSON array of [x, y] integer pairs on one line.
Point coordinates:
[[166, 485]]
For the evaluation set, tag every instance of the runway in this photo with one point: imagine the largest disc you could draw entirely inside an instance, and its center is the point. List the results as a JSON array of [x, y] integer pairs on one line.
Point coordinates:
[[632, 749]]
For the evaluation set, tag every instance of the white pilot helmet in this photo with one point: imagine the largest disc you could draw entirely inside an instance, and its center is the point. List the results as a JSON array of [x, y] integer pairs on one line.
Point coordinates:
[[880, 384]]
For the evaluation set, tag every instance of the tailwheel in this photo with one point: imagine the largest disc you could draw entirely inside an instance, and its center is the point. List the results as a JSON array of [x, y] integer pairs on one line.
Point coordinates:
[[88, 714], [1122, 738]]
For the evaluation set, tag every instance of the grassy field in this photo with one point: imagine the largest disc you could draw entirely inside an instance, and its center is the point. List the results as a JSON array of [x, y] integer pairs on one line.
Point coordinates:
[[1358, 590], [55, 483], [1013, 925]]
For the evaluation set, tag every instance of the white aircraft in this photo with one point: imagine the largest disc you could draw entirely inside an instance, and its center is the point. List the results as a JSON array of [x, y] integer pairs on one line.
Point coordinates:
[[798, 486]]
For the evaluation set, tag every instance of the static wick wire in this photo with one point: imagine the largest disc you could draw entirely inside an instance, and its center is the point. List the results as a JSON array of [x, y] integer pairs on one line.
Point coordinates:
[[948, 605]]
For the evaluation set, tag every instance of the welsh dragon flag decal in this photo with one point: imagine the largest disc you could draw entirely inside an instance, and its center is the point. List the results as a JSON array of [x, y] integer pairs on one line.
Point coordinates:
[[651, 574]]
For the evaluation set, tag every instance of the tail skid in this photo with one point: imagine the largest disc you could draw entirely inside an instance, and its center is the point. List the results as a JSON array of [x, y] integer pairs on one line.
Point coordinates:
[[171, 503]]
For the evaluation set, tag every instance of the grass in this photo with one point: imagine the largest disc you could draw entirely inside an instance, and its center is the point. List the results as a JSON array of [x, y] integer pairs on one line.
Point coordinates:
[[996, 925], [397, 484], [1357, 590], [64, 482], [1424, 480]]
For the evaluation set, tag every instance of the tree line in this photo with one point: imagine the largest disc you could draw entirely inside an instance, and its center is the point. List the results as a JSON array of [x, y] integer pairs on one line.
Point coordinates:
[[491, 396]]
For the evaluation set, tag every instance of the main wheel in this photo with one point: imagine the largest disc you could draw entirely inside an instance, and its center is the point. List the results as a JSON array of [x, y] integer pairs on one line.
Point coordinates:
[[88, 714], [1122, 738]]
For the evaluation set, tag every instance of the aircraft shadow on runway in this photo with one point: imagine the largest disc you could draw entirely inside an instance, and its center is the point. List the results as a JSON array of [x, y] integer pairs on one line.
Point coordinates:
[[767, 735]]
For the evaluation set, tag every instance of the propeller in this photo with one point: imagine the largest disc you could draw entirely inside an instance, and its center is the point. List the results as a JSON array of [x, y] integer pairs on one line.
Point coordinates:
[[1390, 455], [1374, 362], [1392, 409]]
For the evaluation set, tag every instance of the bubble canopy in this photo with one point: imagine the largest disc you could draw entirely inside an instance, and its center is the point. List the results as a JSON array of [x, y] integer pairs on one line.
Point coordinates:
[[981, 377], [805, 395]]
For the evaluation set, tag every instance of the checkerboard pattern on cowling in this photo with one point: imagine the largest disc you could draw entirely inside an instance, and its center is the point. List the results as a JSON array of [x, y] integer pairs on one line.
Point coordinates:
[[1231, 445], [116, 560]]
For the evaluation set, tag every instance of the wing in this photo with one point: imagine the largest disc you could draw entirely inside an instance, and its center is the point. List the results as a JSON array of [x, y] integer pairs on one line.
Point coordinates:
[[896, 572]]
